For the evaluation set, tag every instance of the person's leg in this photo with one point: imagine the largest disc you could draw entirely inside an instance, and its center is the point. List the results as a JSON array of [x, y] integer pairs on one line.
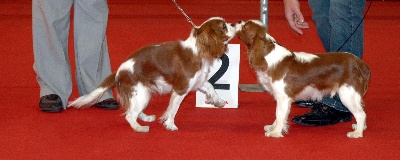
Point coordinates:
[[336, 20], [91, 52], [344, 17], [50, 28], [320, 16]]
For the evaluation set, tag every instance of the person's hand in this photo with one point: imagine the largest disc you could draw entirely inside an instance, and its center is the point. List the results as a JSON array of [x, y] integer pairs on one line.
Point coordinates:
[[294, 16]]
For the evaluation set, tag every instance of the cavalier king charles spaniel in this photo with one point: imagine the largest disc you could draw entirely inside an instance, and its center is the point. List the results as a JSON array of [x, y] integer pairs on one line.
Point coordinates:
[[170, 67], [290, 76]]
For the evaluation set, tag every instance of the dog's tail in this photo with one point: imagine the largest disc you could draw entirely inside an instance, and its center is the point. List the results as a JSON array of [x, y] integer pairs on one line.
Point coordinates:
[[91, 98]]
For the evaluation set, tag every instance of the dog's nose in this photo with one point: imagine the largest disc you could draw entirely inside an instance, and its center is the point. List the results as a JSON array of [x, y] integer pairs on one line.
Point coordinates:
[[232, 25], [241, 21]]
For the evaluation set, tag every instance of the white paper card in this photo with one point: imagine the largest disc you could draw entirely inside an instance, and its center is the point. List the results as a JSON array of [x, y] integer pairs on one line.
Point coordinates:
[[225, 72]]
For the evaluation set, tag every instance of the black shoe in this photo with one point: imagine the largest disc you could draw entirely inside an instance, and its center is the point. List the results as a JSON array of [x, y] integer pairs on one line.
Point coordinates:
[[322, 115], [306, 103], [50, 103], [109, 104]]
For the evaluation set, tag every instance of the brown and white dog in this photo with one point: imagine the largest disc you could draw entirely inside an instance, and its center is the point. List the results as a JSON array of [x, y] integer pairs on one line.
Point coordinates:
[[291, 76], [178, 67]]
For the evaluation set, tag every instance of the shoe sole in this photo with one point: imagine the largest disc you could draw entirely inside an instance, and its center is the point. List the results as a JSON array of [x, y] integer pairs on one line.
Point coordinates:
[[107, 108], [345, 119], [51, 110]]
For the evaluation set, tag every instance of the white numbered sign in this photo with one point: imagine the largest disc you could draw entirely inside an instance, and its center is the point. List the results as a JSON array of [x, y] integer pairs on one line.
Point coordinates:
[[224, 76]]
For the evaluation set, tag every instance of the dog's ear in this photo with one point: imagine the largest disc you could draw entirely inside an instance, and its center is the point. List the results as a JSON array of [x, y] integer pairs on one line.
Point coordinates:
[[261, 32], [210, 44]]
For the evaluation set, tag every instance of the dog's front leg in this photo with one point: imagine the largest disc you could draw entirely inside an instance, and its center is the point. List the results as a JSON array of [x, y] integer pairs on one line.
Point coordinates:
[[280, 124], [211, 95], [169, 115]]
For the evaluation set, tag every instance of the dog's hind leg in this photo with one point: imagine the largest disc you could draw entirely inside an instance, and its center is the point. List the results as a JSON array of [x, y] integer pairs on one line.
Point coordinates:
[[138, 102], [169, 115], [282, 111], [353, 101]]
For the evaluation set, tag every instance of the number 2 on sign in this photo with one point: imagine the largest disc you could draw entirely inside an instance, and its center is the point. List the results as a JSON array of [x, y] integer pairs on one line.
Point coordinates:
[[221, 71]]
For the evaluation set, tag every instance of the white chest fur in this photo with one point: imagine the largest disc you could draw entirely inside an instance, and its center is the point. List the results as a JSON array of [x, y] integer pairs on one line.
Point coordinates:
[[200, 77]]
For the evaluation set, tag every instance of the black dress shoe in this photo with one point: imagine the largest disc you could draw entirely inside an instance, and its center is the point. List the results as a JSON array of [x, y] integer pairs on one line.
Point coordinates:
[[306, 103], [50, 103], [322, 115], [109, 104]]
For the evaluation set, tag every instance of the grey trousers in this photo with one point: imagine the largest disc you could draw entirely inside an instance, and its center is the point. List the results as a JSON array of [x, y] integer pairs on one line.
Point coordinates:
[[51, 26]]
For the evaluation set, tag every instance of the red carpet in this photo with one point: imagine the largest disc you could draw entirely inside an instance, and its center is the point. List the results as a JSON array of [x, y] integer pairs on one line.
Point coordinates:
[[28, 133]]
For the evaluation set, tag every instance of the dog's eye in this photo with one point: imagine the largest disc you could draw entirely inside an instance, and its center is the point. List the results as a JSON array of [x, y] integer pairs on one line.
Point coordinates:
[[224, 26]]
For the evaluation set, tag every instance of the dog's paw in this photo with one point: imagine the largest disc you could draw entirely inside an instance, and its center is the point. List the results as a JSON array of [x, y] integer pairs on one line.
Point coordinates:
[[273, 134], [268, 128], [170, 126], [142, 129], [354, 134], [218, 102]]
